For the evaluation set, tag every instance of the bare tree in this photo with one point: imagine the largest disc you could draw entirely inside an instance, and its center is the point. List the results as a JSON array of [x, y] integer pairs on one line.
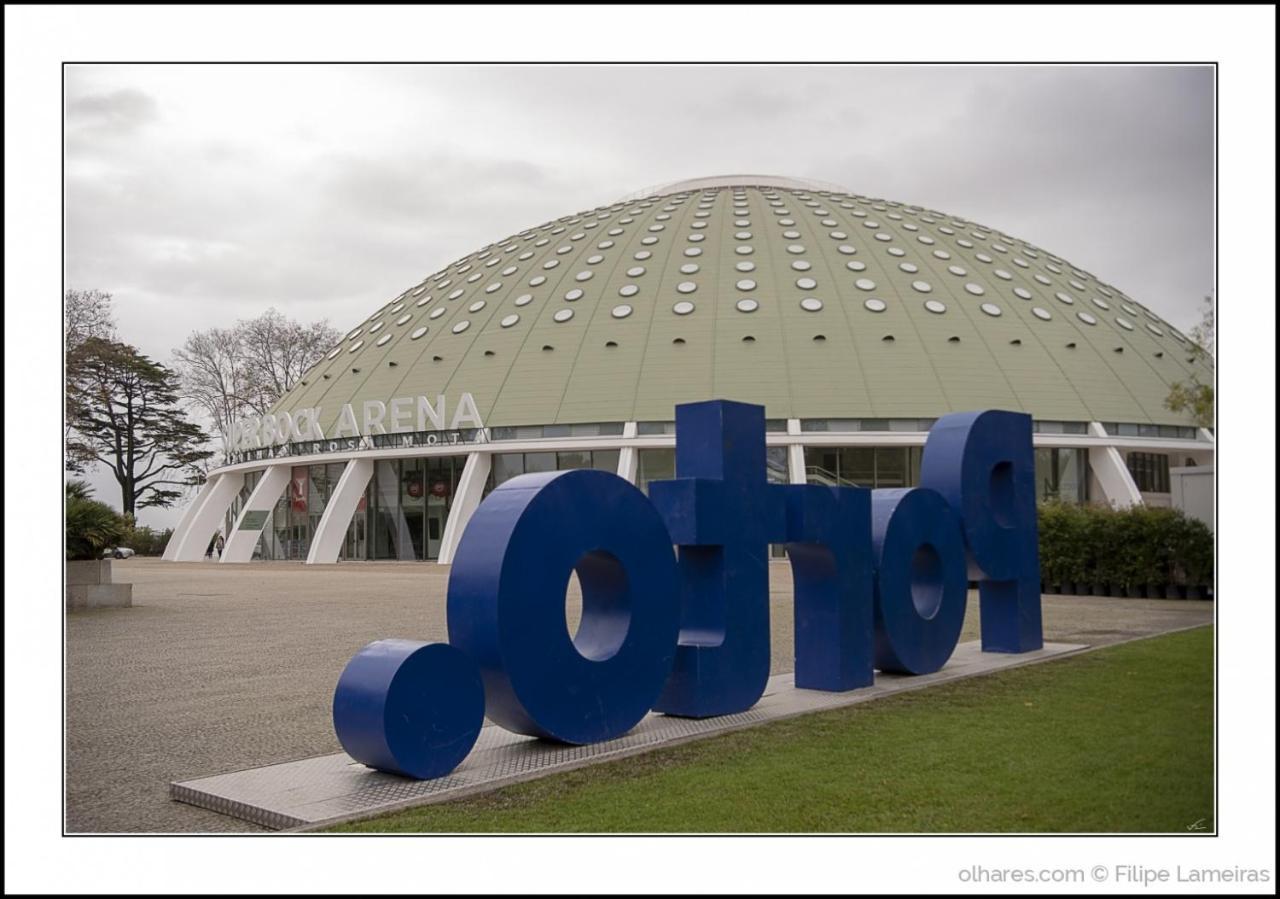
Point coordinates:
[[243, 370], [85, 314], [278, 351], [211, 366]]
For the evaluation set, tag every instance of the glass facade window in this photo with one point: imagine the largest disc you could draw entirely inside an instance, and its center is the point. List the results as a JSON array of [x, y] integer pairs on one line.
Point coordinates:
[[1060, 427], [400, 516], [1062, 475], [536, 432], [1166, 432], [654, 465], [863, 466], [854, 425], [1150, 471], [507, 465], [649, 428]]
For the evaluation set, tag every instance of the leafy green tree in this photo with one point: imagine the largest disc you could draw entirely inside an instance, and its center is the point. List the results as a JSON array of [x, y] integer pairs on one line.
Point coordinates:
[[1192, 396], [123, 411]]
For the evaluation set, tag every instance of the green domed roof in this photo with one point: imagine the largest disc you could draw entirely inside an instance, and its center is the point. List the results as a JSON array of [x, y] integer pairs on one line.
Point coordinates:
[[816, 303]]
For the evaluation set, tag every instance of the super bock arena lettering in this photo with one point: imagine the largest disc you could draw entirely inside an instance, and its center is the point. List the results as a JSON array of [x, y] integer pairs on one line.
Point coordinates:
[[675, 590], [277, 434]]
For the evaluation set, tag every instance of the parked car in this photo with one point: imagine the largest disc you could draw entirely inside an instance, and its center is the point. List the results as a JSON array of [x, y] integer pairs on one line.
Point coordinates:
[[120, 552]]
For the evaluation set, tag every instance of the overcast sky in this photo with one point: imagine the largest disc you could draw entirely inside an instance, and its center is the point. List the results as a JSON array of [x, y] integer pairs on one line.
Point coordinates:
[[199, 195]]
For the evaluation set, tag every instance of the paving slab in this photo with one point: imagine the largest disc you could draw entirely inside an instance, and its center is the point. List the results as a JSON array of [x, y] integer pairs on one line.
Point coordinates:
[[327, 789]]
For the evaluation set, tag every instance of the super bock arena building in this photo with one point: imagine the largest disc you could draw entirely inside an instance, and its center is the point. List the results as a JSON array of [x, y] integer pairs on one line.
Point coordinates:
[[855, 321]]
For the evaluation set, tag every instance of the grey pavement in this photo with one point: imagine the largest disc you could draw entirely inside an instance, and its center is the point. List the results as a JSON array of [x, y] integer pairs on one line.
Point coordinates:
[[221, 668]]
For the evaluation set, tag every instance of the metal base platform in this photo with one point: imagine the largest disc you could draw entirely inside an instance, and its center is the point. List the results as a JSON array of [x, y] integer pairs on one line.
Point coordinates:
[[329, 789]]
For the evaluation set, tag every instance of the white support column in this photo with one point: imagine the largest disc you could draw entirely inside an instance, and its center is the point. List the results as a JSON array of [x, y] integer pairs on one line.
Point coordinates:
[[180, 532], [1112, 473], [795, 455], [242, 540], [465, 500], [204, 522], [629, 456], [326, 543]]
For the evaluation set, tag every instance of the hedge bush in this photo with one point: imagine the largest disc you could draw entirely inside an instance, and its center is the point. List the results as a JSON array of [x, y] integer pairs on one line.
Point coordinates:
[[1133, 549]]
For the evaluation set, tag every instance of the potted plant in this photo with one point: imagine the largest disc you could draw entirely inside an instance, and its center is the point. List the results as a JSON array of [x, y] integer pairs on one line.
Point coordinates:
[[1100, 548], [1195, 553]]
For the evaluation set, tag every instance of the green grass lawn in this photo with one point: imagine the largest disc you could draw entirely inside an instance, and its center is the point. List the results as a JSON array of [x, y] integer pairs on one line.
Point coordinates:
[[1116, 740]]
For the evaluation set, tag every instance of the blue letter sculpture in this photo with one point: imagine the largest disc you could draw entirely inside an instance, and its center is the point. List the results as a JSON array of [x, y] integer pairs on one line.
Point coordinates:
[[984, 466], [722, 513], [880, 578], [409, 708], [506, 604], [921, 586], [828, 538]]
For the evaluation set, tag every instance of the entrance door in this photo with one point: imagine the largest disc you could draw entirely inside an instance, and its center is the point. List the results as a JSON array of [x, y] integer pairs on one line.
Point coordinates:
[[442, 478]]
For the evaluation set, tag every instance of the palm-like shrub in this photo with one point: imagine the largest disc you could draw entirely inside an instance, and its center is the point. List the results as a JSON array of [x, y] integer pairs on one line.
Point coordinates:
[[91, 526]]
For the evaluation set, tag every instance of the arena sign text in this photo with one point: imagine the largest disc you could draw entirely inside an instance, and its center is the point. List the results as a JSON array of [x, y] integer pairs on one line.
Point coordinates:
[[675, 590], [402, 415]]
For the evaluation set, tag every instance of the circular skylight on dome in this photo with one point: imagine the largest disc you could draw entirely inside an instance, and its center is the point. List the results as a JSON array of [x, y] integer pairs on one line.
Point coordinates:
[[418, 332], [806, 283], [621, 311], [801, 265], [684, 307], [686, 287], [1086, 318], [865, 284], [991, 309], [1065, 298], [875, 305], [334, 352], [563, 315], [509, 320], [976, 289], [922, 286], [1040, 313], [573, 295], [382, 340], [745, 266], [584, 275], [747, 305], [355, 346], [1124, 323], [476, 306], [811, 304], [404, 318], [854, 265], [437, 312], [935, 306], [1022, 292], [746, 284], [1101, 304], [909, 267], [461, 326], [628, 290], [689, 268]]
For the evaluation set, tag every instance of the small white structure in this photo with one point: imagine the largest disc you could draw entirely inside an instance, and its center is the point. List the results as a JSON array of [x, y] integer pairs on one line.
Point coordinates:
[[1192, 490]]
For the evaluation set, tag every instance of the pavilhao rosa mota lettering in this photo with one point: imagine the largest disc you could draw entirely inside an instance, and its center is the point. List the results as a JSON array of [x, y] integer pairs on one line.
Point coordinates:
[[675, 590]]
